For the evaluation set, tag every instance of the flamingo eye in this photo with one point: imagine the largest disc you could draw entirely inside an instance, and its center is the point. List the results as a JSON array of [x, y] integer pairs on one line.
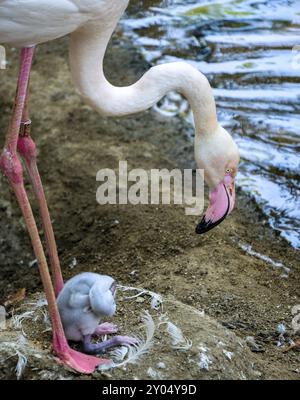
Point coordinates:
[[229, 170]]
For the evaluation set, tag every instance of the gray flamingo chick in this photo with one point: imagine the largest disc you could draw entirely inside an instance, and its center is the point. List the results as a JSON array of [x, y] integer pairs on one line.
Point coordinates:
[[84, 301]]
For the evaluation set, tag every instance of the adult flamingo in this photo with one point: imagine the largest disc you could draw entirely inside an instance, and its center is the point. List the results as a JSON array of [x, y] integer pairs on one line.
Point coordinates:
[[25, 24]]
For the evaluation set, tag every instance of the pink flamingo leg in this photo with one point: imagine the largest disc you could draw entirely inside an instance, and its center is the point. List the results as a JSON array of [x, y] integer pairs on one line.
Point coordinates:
[[11, 166], [27, 149], [71, 358]]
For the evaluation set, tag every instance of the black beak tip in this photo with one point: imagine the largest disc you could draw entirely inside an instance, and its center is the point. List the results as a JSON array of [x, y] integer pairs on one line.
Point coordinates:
[[203, 226], [113, 288]]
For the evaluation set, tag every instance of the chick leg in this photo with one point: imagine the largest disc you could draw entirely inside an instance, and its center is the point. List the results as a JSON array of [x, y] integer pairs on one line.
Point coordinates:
[[95, 348]]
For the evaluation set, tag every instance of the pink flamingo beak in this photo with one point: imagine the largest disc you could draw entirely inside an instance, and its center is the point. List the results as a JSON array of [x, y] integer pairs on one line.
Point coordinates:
[[221, 203]]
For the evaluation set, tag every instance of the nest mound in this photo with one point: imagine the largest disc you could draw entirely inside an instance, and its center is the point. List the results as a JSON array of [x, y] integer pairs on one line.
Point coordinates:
[[176, 341]]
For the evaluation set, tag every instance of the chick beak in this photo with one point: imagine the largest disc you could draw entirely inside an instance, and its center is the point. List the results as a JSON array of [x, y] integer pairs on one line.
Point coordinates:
[[113, 288]]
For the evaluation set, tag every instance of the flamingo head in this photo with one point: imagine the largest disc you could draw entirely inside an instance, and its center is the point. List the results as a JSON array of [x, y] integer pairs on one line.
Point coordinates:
[[218, 155]]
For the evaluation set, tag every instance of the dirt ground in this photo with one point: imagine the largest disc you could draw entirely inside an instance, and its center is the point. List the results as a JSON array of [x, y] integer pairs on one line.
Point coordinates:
[[152, 247]]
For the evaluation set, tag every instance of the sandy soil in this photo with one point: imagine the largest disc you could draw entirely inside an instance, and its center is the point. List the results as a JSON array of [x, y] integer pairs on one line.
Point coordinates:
[[151, 247]]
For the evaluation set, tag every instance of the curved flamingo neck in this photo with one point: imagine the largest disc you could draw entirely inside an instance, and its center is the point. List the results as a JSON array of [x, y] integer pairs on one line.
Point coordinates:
[[87, 50]]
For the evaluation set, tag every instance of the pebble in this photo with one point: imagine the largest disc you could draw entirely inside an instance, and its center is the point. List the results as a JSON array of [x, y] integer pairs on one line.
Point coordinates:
[[140, 300], [281, 328], [161, 365]]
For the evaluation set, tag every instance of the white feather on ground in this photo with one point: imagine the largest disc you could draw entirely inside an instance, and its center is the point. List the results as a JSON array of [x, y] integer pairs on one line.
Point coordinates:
[[37, 312], [136, 352], [121, 355], [179, 341], [17, 320], [21, 364], [204, 361], [16, 348], [156, 299]]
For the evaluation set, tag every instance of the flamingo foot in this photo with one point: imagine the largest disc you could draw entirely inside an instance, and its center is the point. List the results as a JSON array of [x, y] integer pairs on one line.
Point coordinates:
[[80, 362]]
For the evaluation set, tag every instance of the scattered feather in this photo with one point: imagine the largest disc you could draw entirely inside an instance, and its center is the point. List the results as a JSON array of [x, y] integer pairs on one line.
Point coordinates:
[[203, 348], [204, 361], [134, 296], [175, 333], [73, 263], [38, 312], [18, 320], [143, 346], [16, 348], [32, 263], [179, 342], [119, 353], [228, 354], [21, 364], [41, 302], [156, 299]]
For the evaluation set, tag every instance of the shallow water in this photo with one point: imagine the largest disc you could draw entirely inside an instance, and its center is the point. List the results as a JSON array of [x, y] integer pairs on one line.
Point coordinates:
[[247, 50]]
